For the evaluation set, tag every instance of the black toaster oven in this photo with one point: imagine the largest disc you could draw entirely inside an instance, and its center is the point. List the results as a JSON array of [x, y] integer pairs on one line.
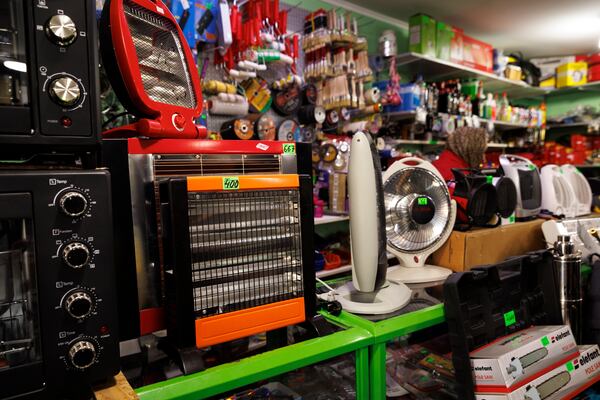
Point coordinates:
[[48, 74], [58, 313]]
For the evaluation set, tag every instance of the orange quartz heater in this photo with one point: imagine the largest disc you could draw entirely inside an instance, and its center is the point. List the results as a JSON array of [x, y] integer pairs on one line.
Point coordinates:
[[238, 256]]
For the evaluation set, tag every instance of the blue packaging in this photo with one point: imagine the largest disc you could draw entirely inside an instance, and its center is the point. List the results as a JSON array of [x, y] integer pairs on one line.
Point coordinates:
[[409, 93], [190, 12]]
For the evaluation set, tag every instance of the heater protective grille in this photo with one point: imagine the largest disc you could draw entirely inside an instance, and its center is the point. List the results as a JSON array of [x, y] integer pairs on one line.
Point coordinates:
[[165, 74], [246, 249]]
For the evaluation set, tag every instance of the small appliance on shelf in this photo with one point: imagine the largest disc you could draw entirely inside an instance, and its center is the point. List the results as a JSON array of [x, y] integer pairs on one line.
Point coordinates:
[[419, 217], [151, 69], [526, 178]]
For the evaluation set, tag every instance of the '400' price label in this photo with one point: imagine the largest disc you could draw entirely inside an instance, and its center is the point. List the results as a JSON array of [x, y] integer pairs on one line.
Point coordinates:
[[231, 183], [289, 148]]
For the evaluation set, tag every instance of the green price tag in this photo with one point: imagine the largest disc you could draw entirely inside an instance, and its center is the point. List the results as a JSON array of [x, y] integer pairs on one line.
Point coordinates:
[[289, 148], [545, 341], [231, 183], [489, 179], [434, 142], [569, 366], [512, 218], [422, 201], [510, 318]]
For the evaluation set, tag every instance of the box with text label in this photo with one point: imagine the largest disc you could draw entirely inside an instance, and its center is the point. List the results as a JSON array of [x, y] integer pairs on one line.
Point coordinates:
[[514, 360], [563, 382]]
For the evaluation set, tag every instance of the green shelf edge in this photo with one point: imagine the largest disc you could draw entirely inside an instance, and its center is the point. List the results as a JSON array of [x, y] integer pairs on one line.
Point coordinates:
[[359, 334], [223, 378], [408, 323]]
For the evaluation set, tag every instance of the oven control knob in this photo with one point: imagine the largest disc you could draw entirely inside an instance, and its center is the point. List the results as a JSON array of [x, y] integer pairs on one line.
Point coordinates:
[[61, 30], [82, 354], [73, 203], [79, 304], [65, 91], [76, 255]]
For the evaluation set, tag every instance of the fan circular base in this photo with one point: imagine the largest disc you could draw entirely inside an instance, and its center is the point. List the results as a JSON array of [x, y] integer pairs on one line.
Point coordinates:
[[389, 298], [425, 276]]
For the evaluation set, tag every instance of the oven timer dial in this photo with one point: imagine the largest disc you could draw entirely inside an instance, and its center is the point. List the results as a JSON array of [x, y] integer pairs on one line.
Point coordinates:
[[65, 91], [82, 354]]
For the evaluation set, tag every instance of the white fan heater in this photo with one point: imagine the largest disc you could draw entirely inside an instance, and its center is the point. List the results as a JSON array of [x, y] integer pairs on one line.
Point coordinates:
[[581, 188], [526, 177], [558, 196], [369, 292], [419, 217]]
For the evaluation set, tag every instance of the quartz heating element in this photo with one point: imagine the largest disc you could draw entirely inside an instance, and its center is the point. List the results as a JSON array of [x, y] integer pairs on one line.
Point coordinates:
[[166, 165], [165, 75], [246, 249]]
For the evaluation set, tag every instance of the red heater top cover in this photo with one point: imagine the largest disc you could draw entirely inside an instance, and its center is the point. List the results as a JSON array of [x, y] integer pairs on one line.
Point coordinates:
[[151, 69]]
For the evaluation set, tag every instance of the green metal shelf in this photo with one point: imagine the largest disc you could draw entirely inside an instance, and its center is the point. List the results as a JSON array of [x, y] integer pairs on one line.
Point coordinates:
[[366, 338], [388, 329], [231, 376]]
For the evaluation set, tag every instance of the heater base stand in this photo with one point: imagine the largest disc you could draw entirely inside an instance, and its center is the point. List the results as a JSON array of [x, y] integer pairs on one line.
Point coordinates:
[[425, 276], [389, 298], [189, 360]]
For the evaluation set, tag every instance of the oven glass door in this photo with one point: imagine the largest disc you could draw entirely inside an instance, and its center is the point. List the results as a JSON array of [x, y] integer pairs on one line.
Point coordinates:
[[14, 89], [19, 329]]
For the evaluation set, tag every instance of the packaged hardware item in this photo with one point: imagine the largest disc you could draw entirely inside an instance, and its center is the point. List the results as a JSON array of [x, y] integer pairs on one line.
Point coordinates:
[[422, 35], [477, 54], [571, 74], [515, 360], [443, 39], [563, 382]]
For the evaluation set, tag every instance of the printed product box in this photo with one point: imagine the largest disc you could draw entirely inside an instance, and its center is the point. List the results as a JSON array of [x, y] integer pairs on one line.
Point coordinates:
[[421, 38], [516, 359], [563, 382], [477, 54], [571, 74], [443, 38]]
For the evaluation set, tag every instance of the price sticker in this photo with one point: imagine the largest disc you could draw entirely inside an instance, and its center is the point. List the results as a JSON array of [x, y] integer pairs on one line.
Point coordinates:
[[231, 183]]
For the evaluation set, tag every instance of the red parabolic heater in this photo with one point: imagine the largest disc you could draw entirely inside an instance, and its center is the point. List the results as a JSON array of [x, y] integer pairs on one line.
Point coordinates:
[[151, 69]]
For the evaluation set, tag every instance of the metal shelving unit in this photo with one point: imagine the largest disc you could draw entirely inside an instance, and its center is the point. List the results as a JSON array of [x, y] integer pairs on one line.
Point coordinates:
[[588, 87], [330, 219], [433, 69], [325, 273]]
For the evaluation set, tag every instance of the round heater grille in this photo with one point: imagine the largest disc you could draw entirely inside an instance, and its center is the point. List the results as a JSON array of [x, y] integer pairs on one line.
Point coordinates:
[[417, 209], [507, 197]]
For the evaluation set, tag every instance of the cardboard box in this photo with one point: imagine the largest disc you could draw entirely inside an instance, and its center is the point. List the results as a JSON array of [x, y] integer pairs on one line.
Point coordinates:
[[548, 65], [443, 39], [481, 246], [421, 38], [456, 46], [571, 378], [512, 361], [477, 54], [571, 74], [337, 192]]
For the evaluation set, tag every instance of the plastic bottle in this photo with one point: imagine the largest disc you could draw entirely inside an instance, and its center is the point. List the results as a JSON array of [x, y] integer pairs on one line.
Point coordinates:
[[494, 106]]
